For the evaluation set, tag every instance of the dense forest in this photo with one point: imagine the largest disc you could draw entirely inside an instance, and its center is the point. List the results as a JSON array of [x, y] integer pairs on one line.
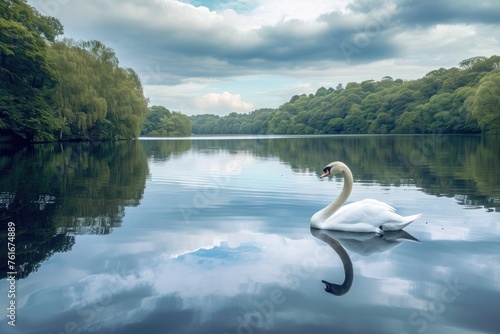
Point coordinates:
[[455, 100], [162, 122], [61, 89]]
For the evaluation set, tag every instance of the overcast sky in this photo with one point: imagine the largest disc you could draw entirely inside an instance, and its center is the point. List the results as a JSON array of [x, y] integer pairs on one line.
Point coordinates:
[[208, 56]]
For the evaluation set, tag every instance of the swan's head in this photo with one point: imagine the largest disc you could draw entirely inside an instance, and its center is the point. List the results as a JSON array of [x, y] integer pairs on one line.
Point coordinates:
[[335, 167], [336, 289]]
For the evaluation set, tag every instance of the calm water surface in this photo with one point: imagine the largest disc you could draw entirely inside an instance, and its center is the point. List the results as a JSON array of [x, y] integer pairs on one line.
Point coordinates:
[[211, 235]]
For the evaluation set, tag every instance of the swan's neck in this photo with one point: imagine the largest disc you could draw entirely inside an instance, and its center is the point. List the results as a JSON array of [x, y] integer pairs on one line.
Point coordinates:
[[331, 208], [339, 289]]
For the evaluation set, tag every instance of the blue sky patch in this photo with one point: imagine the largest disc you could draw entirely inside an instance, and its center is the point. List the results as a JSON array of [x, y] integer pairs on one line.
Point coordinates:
[[220, 5]]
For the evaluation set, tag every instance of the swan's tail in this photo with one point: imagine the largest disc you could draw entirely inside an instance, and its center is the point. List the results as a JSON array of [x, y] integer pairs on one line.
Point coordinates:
[[396, 226]]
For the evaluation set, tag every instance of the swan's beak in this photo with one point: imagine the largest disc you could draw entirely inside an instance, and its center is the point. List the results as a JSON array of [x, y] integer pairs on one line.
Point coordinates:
[[328, 286], [326, 171]]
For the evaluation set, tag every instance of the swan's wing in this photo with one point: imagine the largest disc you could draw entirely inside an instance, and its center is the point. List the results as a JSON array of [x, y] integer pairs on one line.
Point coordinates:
[[368, 212], [374, 202]]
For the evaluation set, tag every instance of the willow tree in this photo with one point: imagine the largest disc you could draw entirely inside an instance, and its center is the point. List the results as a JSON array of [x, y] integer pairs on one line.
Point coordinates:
[[78, 104], [95, 98]]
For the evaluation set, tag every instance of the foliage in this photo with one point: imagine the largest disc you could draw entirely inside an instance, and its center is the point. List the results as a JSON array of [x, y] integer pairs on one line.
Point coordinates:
[[455, 100], [27, 75], [486, 105], [162, 122], [95, 98], [62, 90], [255, 122]]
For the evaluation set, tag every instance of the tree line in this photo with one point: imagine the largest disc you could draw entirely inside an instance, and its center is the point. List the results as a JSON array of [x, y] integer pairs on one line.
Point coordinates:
[[455, 100], [62, 89]]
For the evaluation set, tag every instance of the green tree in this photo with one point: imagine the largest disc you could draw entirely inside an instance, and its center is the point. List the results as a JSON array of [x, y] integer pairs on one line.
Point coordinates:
[[162, 122], [355, 121], [409, 122], [486, 107], [335, 125], [469, 63], [96, 99], [383, 124], [443, 101], [27, 76], [443, 118], [371, 104]]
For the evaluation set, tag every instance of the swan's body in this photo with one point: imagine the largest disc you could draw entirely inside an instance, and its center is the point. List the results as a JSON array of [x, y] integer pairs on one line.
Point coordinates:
[[368, 215]]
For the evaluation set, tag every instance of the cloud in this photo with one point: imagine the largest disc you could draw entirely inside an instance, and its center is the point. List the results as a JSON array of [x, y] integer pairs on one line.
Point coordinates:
[[222, 103], [181, 38], [430, 12], [178, 286], [172, 43], [178, 40]]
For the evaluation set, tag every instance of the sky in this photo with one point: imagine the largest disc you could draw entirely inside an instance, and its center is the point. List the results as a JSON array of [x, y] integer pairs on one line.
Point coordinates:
[[218, 57]]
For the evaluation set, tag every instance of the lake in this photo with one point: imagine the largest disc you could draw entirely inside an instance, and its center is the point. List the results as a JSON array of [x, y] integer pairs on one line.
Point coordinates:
[[211, 235]]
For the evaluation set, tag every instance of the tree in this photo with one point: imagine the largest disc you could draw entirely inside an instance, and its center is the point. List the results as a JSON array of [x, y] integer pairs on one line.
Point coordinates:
[[162, 122], [486, 107], [321, 91], [335, 125], [372, 104], [95, 98], [27, 76], [62, 89], [368, 86], [355, 121], [443, 119], [383, 124], [409, 122], [455, 100], [470, 63]]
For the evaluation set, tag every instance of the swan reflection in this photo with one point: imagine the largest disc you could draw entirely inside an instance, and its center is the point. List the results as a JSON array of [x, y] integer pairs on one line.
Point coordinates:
[[363, 244]]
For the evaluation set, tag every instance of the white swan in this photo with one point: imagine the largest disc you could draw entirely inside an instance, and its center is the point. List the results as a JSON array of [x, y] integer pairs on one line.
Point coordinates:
[[368, 215]]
